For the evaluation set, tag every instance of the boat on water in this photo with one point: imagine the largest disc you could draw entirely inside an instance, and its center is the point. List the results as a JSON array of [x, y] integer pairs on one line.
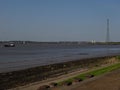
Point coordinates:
[[9, 45]]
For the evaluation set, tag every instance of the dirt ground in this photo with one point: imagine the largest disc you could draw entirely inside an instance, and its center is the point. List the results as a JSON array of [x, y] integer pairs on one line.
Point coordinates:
[[110, 81]]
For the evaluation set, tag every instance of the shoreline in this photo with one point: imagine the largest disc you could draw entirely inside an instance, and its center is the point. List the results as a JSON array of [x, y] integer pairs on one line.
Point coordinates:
[[31, 75], [14, 69], [36, 85]]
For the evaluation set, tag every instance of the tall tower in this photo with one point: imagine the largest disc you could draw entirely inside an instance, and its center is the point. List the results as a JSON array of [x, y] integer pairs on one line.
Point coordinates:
[[108, 33]]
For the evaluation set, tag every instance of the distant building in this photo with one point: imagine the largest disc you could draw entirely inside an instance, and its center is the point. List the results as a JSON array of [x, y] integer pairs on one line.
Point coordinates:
[[93, 41]]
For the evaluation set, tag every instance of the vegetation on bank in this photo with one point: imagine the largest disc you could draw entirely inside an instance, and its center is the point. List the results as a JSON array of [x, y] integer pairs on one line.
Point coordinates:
[[93, 73]]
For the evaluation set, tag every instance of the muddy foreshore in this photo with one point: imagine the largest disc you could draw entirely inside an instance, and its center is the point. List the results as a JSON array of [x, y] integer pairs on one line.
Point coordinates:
[[23, 77]]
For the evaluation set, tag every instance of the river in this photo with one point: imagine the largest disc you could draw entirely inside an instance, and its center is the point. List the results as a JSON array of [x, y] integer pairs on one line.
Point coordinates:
[[22, 57]]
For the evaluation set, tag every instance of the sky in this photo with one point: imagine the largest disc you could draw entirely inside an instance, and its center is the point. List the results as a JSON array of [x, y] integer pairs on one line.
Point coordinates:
[[59, 20]]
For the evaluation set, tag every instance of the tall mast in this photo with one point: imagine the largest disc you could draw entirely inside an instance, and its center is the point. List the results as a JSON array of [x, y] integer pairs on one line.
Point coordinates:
[[108, 35]]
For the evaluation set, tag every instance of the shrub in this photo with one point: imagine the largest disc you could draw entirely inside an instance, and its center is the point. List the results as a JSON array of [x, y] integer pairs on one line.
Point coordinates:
[[54, 84], [89, 76], [78, 79], [68, 83], [44, 87]]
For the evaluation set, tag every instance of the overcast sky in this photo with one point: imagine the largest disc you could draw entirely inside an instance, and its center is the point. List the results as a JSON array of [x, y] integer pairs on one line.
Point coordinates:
[[59, 20]]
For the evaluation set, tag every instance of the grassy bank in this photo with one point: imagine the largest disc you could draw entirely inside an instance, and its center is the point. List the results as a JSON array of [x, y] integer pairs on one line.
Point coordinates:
[[93, 73]]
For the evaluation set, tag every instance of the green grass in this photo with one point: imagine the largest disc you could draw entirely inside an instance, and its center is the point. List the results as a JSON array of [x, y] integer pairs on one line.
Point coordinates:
[[94, 72], [105, 69]]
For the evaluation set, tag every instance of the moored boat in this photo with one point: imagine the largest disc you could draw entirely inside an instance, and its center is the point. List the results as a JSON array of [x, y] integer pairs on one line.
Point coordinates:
[[9, 45]]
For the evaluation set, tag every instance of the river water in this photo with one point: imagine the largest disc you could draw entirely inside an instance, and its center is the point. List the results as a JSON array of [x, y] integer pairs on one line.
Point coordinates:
[[21, 57]]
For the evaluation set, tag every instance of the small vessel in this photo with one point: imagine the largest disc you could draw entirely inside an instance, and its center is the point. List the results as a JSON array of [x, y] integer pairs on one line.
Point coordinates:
[[9, 45]]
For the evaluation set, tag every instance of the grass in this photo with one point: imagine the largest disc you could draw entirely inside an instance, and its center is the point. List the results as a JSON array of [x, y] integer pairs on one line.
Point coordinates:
[[105, 69], [94, 72]]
